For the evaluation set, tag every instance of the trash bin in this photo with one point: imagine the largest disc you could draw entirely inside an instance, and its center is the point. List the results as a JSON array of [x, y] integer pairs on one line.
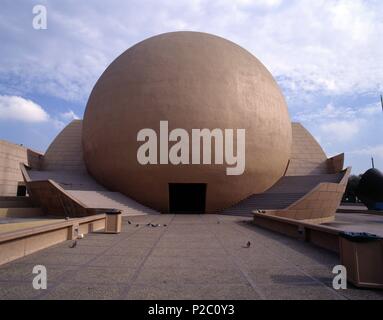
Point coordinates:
[[113, 221], [362, 255]]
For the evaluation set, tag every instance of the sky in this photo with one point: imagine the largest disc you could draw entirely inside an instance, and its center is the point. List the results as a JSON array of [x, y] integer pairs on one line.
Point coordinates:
[[326, 55]]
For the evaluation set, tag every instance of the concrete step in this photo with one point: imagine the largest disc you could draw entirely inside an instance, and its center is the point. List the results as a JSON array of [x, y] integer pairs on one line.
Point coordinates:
[[285, 192], [270, 201], [302, 184]]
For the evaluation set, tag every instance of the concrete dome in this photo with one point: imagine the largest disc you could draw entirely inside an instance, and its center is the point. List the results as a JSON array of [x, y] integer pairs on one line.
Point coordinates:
[[194, 81]]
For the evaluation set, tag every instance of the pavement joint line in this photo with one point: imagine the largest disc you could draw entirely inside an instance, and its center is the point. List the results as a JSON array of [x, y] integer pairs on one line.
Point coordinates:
[[77, 268], [315, 280], [241, 269], [134, 277]]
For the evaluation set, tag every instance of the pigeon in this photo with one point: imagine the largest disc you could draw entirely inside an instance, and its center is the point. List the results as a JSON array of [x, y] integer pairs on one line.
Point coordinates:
[[129, 222], [165, 225], [137, 225], [73, 245], [248, 244]]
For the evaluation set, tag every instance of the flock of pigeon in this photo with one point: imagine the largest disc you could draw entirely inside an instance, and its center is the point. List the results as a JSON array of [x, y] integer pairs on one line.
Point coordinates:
[[150, 225], [153, 225]]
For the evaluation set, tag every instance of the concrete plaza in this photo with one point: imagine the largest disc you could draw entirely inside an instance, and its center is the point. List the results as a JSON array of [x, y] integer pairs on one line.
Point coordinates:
[[192, 257]]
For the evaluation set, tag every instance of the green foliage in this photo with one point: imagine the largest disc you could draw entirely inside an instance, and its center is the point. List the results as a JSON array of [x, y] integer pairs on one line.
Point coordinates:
[[352, 185]]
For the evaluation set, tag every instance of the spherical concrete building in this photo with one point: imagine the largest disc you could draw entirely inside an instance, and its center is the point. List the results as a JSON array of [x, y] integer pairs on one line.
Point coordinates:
[[188, 81]]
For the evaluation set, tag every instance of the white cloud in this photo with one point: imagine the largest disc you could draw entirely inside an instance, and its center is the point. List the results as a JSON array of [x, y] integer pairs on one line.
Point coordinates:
[[372, 110], [69, 115], [265, 3], [20, 109], [337, 123], [341, 130], [330, 111], [60, 121], [329, 46], [374, 151]]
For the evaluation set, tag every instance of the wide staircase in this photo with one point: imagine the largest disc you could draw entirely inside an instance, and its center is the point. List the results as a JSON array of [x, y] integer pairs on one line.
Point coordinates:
[[285, 192]]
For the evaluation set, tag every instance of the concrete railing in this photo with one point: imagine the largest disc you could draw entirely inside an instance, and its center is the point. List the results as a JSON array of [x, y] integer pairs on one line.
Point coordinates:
[[324, 237], [53, 199]]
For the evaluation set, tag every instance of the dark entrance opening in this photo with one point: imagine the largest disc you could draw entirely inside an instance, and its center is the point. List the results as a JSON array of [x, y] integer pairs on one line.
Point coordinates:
[[21, 191], [187, 197]]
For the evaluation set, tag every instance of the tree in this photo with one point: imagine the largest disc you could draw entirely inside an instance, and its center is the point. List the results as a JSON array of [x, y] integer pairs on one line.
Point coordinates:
[[350, 193]]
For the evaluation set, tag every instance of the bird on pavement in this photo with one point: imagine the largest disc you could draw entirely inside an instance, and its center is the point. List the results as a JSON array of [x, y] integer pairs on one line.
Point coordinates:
[[73, 245], [248, 244]]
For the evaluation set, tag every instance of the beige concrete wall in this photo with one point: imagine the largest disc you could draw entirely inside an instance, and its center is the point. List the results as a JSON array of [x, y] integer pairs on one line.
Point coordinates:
[[20, 212], [17, 244], [307, 156], [10, 157], [15, 202], [335, 164], [65, 152]]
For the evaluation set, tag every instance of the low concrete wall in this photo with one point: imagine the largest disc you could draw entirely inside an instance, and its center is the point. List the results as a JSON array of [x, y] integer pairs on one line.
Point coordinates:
[[324, 237], [17, 244], [10, 157]]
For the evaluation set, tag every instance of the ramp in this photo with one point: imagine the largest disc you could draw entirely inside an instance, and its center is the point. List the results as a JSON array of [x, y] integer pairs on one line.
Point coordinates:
[[86, 190]]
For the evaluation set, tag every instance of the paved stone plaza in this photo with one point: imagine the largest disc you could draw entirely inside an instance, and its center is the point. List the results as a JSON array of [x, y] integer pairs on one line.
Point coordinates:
[[193, 257]]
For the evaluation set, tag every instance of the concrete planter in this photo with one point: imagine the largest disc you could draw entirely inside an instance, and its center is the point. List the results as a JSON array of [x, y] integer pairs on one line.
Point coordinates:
[[362, 255], [113, 221]]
